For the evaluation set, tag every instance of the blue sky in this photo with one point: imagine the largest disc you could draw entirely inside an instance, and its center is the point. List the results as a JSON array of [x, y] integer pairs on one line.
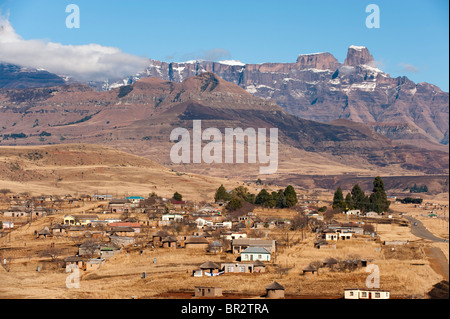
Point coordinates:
[[412, 39]]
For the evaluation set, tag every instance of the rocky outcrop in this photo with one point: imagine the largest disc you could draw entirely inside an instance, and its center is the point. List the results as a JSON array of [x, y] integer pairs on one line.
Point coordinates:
[[317, 87], [320, 61], [358, 55]]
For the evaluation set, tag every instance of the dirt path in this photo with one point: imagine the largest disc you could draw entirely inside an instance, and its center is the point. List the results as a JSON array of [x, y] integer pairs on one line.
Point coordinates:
[[438, 261], [421, 231]]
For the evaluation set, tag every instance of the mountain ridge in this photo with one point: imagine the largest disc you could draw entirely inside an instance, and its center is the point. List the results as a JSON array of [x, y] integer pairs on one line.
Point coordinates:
[[318, 87], [139, 118]]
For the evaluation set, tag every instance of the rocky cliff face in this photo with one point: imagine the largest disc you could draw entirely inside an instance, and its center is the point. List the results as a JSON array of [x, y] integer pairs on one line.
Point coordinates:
[[358, 55], [318, 87]]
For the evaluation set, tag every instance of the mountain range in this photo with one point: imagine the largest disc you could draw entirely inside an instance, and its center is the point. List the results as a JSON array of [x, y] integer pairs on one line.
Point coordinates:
[[318, 87], [139, 118]]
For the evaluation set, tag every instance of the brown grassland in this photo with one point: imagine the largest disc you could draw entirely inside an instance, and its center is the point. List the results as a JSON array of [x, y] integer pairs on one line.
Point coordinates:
[[406, 271]]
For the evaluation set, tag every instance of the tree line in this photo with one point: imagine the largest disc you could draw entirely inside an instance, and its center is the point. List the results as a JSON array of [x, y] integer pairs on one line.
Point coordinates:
[[357, 199], [283, 198]]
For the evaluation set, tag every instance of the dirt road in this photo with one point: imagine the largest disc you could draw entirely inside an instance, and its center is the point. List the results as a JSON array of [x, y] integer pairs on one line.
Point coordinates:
[[438, 261], [420, 231]]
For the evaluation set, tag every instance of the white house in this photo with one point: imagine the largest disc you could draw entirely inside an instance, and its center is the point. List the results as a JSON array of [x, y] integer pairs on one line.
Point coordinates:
[[224, 224], [345, 236], [8, 225], [172, 218], [204, 221], [353, 212], [373, 215], [366, 294], [237, 235], [255, 253]]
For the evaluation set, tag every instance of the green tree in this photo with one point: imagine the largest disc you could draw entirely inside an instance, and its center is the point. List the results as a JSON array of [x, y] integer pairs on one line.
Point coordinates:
[[273, 202], [177, 196], [234, 204], [243, 193], [349, 201], [281, 200], [338, 199], [291, 196], [221, 194], [358, 198], [263, 198], [378, 199]]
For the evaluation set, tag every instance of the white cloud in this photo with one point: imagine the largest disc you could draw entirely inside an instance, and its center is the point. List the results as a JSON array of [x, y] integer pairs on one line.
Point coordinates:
[[408, 68], [83, 62]]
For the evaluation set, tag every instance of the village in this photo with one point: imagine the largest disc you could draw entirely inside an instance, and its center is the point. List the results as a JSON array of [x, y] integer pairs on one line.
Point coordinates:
[[106, 246]]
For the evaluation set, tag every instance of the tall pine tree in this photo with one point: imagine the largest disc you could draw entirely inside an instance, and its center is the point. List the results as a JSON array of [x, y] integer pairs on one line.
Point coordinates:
[[338, 199], [221, 194], [378, 199], [358, 198], [291, 196]]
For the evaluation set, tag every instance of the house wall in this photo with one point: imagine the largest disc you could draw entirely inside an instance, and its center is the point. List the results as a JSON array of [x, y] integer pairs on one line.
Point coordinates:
[[196, 246], [237, 268], [208, 292], [254, 257], [275, 294], [365, 294]]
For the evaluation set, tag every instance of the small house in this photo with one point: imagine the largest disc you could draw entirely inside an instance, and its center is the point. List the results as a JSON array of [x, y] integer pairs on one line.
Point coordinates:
[[366, 294], [69, 220], [58, 229], [210, 292], [73, 261], [373, 215], [109, 251], [122, 231], [85, 219], [94, 264], [259, 267], [196, 242], [330, 234], [255, 253], [240, 244], [345, 236], [210, 267], [157, 238], [215, 247], [169, 242], [75, 231], [310, 270], [119, 206], [241, 267], [8, 225], [275, 291], [44, 233]]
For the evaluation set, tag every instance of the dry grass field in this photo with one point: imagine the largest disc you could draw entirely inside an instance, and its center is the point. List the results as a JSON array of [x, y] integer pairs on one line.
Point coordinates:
[[88, 169], [406, 271]]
